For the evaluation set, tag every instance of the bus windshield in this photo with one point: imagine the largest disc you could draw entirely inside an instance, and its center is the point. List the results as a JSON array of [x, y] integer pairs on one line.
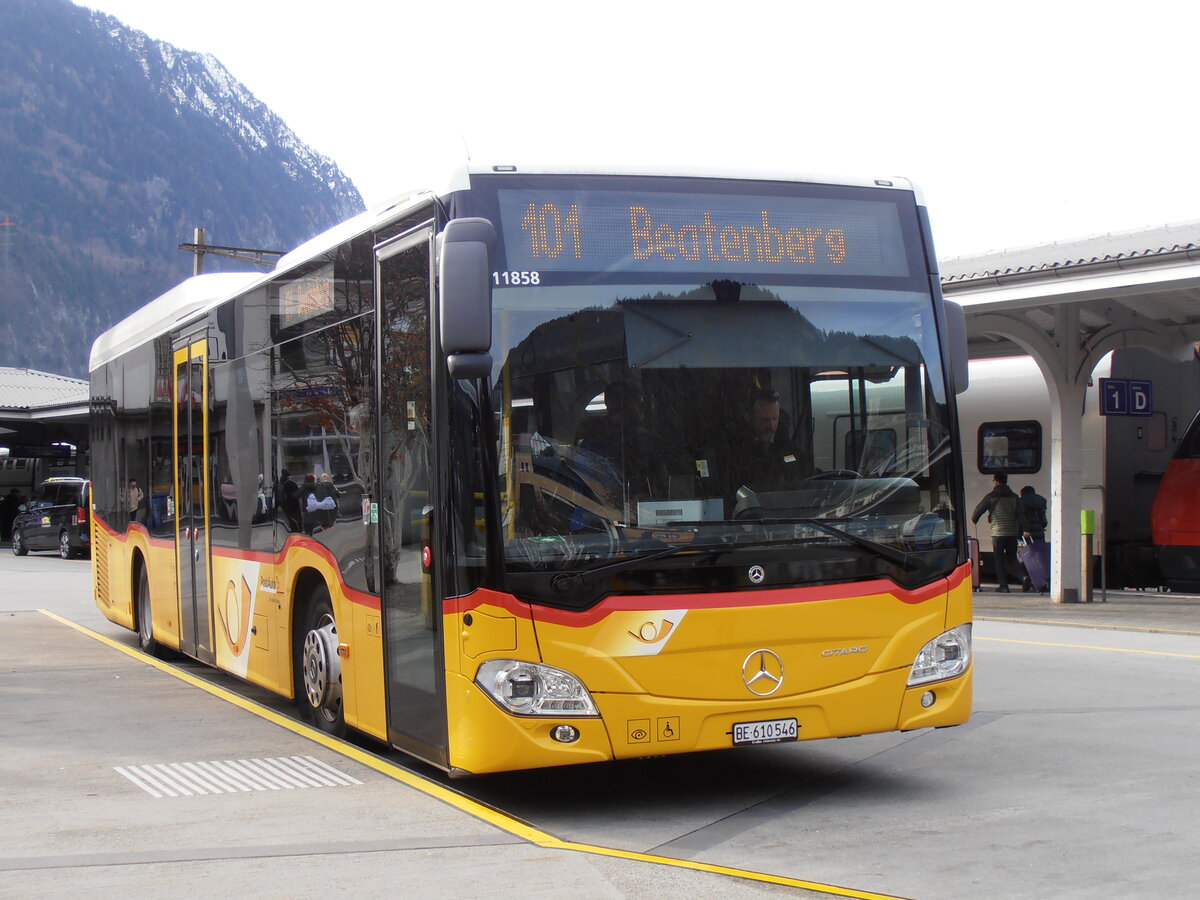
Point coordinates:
[[680, 422]]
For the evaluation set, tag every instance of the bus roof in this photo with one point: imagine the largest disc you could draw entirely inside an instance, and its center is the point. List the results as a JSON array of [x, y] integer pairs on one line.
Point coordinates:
[[196, 295], [734, 173]]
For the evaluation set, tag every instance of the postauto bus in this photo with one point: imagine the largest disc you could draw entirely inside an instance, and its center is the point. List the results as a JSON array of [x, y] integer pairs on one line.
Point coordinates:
[[556, 466]]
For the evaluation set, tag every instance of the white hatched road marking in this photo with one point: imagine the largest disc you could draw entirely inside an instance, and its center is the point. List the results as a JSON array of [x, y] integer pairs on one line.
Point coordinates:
[[234, 776]]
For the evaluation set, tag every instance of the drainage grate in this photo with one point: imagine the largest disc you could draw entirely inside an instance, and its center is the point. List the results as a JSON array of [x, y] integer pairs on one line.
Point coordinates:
[[235, 775]]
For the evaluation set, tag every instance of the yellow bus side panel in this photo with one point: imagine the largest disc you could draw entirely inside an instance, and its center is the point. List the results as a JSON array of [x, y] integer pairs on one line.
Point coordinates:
[[253, 599], [112, 575], [111, 587], [366, 663], [164, 592], [357, 617], [247, 607]]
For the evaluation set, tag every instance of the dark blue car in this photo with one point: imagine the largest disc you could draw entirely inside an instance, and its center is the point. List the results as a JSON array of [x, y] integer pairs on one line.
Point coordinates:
[[58, 517]]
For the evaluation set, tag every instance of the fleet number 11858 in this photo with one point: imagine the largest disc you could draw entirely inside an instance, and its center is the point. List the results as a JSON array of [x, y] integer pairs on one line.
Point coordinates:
[[511, 279]]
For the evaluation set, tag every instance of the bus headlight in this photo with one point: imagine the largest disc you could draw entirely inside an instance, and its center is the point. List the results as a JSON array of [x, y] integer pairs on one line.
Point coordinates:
[[531, 689], [947, 656]]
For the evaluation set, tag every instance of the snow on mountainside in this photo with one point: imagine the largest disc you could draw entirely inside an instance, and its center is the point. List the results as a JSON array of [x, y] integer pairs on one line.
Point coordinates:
[[200, 82], [114, 148]]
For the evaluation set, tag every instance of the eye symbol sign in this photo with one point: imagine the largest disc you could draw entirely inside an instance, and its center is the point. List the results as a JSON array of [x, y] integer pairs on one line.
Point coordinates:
[[652, 633]]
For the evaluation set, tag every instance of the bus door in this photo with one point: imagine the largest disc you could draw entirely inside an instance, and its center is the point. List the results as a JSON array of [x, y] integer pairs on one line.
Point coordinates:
[[412, 620], [191, 496]]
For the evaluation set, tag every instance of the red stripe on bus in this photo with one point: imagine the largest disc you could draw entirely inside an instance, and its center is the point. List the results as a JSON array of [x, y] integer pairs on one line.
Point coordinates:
[[273, 558], [739, 599], [612, 604]]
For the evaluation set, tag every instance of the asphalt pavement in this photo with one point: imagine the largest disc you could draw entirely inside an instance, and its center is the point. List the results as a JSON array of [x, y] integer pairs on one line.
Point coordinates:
[[1043, 793]]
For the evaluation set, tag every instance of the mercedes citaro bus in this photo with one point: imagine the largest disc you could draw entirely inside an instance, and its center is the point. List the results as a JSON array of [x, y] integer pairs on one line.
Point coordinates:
[[556, 466]]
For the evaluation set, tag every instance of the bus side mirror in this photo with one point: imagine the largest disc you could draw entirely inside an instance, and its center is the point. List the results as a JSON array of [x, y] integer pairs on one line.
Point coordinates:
[[956, 345], [465, 275]]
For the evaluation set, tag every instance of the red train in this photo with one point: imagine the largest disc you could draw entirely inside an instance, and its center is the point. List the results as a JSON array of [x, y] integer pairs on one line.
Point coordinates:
[[1175, 515]]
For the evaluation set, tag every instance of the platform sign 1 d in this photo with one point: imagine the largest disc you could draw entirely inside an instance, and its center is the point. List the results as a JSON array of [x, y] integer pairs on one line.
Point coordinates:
[[1126, 397]]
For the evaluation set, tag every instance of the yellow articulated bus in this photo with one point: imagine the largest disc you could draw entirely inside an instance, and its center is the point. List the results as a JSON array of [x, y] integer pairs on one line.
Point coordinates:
[[557, 466]]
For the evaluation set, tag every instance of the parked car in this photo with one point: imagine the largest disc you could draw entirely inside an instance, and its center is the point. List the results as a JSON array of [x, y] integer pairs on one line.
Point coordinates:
[[57, 517]]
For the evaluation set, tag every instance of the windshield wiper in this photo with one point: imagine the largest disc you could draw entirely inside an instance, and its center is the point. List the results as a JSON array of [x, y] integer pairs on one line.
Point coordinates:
[[566, 580], [891, 554]]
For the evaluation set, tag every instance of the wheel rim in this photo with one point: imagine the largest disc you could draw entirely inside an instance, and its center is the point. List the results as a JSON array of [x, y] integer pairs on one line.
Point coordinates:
[[16, 541], [323, 670], [64, 545], [145, 626]]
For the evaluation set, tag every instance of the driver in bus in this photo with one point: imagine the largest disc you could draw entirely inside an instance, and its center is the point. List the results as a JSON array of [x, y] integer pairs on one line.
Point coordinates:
[[761, 455]]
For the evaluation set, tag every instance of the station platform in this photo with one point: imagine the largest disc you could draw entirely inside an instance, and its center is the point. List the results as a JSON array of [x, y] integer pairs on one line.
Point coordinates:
[[124, 777], [1153, 611]]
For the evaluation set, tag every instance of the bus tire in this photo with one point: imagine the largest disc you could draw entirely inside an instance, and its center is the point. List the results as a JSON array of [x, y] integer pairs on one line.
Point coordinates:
[[145, 618], [318, 667]]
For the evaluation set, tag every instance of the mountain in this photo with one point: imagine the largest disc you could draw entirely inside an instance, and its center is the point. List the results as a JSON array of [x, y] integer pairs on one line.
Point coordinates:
[[114, 147]]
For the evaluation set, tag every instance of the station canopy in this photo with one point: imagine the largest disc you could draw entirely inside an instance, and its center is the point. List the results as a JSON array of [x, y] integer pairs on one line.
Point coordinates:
[[1134, 288], [39, 412]]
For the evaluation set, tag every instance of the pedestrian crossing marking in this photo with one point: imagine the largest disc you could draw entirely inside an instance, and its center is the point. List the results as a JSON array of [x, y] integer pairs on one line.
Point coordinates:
[[233, 776]]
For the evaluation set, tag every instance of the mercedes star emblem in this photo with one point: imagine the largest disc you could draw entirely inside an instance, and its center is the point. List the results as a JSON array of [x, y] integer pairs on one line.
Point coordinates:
[[763, 672]]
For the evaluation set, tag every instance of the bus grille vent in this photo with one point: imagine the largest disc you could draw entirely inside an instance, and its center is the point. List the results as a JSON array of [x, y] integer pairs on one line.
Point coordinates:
[[100, 564]]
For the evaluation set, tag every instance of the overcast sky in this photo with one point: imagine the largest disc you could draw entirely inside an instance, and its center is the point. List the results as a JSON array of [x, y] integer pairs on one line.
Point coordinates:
[[1023, 123]]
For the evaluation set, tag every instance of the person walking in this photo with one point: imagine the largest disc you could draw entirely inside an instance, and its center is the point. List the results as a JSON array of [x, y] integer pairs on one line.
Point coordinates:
[[1036, 520], [1007, 517], [1036, 517], [133, 499]]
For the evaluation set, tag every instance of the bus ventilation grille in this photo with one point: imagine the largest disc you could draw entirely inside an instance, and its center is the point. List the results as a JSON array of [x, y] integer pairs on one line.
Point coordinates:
[[100, 564]]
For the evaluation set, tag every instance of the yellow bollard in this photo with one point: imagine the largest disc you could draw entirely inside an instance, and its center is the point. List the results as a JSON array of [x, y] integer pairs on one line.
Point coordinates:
[[1087, 531]]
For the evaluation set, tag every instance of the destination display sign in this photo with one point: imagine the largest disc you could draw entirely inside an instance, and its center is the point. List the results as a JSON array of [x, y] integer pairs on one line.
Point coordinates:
[[609, 231]]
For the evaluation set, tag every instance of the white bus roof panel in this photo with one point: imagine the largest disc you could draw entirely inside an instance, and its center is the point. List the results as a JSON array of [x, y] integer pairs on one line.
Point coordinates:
[[198, 293], [496, 167], [370, 220]]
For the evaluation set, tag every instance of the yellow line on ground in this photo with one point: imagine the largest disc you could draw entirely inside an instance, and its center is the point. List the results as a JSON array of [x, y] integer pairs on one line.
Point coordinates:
[[493, 817], [995, 640]]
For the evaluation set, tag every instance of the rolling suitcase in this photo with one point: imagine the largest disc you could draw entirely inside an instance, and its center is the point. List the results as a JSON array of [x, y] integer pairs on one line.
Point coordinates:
[[1035, 557], [973, 552]]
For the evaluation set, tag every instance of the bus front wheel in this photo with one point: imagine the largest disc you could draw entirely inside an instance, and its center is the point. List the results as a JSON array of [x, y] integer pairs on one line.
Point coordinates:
[[145, 620], [318, 666]]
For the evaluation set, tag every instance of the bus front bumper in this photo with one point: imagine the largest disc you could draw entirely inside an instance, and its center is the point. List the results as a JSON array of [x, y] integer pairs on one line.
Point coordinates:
[[484, 738]]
